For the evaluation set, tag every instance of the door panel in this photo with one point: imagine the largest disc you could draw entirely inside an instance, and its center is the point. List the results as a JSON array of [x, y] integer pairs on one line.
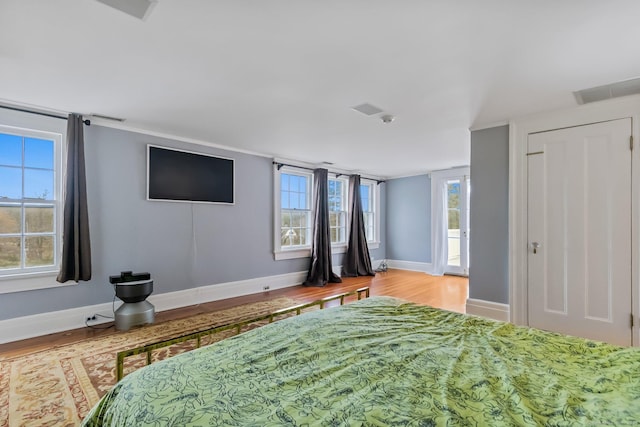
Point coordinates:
[[579, 213]]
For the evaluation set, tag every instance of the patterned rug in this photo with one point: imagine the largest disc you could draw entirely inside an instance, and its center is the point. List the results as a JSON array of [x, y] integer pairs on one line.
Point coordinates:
[[58, 387]]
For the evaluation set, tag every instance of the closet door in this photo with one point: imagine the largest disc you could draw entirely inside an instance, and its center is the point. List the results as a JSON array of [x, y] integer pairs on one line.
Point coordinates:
[[579, 231]]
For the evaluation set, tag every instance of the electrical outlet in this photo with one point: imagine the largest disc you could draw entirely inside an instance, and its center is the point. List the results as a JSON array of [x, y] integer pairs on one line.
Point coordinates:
[[90, 318], [266, 288]]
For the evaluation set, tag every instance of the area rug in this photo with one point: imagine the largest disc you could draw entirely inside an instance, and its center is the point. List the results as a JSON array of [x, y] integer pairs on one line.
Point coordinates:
[[58, 386]]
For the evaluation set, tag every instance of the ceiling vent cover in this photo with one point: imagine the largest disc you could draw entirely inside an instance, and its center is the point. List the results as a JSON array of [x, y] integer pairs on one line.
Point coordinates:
[[137, 8], [367, 109], [613, 90]]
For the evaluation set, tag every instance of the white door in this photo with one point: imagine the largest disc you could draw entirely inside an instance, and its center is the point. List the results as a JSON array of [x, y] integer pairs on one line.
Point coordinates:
[[579, 231], [457, 218]]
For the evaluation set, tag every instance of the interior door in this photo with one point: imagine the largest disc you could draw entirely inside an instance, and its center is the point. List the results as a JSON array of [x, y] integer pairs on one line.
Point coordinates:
[[457, 191], [579, 231]]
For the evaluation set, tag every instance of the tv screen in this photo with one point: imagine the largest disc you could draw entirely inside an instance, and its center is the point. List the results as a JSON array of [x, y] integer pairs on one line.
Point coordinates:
[[185, 176]]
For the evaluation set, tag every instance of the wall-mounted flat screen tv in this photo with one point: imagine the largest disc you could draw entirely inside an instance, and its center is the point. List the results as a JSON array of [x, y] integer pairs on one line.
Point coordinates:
[[185, 176]]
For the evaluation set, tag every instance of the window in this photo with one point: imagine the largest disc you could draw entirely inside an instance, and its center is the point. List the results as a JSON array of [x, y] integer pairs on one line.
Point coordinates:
[[295, 210], [368, 199], [337, 192], [29, 195]]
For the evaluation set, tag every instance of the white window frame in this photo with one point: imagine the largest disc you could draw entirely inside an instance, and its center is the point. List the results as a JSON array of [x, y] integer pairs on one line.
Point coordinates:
[[31, 278], [341, 246], [373, 242], [281, 252]]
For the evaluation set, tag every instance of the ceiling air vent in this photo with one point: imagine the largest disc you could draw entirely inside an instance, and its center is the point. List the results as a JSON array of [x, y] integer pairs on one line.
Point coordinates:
[[613, 90], [137, 8], [367, 109]]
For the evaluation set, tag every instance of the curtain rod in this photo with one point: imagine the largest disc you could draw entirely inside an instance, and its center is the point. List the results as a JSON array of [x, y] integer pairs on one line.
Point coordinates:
[[338, 174], [42, 113]]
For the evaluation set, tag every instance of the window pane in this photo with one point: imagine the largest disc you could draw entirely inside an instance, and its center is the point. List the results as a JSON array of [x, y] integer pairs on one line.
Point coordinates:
[[39, 250], [453, 188], [364, 191], [454, 219], [302, 201], [10, 183], [288, 236], [454, 249], [38, 184], [296, 219], [335, 195], [302, 184], [38, 153], [9, 252], [10, 150], [285, 219], [365, 199], [39, 219], [333, 219], [10, 219], [293, 230], [284, 182], [368, 225], [453, 202], [294, 183]]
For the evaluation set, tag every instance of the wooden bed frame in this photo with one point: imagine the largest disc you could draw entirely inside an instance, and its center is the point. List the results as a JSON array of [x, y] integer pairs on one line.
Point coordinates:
[[232, 327]]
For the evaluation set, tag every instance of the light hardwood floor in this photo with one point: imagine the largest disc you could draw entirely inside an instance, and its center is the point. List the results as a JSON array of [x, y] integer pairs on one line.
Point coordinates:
[[447, 292]]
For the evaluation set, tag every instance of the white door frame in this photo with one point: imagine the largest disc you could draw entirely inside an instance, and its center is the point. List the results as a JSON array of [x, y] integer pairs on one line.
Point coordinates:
[[519, 129], [463, 268], [438, 178]]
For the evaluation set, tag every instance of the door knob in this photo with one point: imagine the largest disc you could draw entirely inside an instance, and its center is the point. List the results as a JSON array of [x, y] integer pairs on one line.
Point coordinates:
[[535, 246]]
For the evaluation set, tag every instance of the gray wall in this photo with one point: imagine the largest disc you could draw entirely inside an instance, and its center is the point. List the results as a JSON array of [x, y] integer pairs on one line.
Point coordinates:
[[182, 245], [489, 238], [409, 219]]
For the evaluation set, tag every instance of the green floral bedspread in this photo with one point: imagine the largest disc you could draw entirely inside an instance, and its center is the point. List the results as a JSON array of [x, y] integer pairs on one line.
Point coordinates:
[[383, 362]]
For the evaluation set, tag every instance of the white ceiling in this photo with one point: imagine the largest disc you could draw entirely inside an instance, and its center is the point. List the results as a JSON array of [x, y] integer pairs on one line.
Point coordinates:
[[279, 77]]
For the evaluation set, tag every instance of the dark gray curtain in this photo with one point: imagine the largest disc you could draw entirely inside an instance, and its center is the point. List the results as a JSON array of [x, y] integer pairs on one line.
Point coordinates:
[[321, 270], [76, 249], [356, 261]]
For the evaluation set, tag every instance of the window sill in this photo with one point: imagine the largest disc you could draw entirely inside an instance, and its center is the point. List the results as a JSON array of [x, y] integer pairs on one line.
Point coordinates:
[[373, 245], [291, 254], [30, 281]]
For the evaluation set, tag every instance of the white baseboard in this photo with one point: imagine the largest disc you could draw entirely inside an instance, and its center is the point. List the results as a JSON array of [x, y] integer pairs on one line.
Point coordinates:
[[57, 321], [490, 309], [425, 267]]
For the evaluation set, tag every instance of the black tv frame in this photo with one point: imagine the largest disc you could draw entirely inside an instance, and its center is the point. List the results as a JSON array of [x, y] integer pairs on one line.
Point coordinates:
[[195, 157]]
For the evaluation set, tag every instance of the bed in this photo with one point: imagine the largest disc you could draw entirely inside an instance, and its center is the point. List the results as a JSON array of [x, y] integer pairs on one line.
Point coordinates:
[[383, 362]]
